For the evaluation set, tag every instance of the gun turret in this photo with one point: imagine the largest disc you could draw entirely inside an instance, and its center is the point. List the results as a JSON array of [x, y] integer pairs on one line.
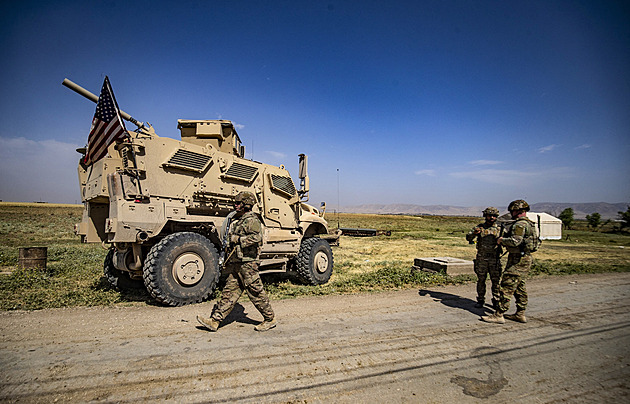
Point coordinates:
[[92, 97]]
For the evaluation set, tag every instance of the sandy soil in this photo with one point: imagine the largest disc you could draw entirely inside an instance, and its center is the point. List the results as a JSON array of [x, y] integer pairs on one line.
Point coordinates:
[[425, 346]]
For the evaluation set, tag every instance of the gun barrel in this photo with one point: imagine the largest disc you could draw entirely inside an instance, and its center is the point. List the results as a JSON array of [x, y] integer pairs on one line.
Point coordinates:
[[92, 97]]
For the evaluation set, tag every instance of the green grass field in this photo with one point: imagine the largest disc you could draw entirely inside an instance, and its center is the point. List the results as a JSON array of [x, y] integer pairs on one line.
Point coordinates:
[[74, 272]]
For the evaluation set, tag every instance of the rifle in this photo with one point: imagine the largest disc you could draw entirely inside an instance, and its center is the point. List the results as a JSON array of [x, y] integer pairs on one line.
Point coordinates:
[[500, 252], [224, 244]]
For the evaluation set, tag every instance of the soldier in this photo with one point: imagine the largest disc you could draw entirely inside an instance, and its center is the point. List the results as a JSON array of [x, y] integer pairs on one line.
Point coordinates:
[[488, 257], [520, 241], [245, 238]]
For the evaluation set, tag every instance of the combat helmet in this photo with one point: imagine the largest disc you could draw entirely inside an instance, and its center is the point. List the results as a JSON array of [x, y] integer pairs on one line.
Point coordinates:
[[491, 211], [246, 197], [518, 204]]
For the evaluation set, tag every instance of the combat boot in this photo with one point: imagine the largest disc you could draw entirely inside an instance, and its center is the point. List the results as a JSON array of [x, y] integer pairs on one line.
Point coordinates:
[[480, 304], [210, 323], [266, 325], [496, 318], [519, 316]]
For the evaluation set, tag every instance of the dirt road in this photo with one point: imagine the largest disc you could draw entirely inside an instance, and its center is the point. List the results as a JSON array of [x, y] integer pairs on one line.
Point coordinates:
[[424, 346]]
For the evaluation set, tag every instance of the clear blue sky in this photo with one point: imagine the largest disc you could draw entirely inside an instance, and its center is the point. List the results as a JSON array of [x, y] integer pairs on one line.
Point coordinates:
[[465, 103]]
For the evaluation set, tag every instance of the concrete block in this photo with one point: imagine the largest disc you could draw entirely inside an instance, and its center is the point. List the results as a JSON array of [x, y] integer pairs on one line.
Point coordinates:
[[445, 265]]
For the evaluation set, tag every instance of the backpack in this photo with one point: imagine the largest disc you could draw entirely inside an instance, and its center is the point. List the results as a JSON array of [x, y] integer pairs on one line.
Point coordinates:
[[531, 239]]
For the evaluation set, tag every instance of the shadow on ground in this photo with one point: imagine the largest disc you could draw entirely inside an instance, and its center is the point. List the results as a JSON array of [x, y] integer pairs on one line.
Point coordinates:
[[455, 301], [238, 315]]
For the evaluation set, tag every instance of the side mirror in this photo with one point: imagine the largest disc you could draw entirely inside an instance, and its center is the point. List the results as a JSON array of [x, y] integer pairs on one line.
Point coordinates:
[[303, 174], [303, 166], [322, 209]]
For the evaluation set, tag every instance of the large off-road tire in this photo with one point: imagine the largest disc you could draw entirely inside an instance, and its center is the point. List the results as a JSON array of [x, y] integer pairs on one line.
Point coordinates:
[[181, 269], [119, 280], [314, 261]]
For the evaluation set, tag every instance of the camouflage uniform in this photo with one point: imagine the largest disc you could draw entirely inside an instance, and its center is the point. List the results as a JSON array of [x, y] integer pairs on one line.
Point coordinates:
[[242, 267], [487, 261], [519, 242]]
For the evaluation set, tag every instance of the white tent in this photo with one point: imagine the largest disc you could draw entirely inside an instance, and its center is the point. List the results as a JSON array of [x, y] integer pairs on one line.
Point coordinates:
[[549, 227]]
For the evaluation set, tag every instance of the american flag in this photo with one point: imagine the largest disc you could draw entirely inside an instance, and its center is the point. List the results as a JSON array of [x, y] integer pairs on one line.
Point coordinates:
[[107, 125]]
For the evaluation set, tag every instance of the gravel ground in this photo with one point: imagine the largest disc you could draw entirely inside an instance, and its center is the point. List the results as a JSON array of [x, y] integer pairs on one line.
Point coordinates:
[[425, 346]]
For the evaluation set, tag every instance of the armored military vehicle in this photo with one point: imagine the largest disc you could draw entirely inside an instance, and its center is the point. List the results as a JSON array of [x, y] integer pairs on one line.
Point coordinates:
[[163, 205]]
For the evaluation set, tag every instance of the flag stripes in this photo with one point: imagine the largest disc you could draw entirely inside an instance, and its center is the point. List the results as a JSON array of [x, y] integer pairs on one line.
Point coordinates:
[[107, 125]]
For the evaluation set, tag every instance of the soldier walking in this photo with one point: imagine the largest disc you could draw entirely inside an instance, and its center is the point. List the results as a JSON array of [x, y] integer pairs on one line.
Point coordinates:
[[487, 261], [520, 241], [245, 239]]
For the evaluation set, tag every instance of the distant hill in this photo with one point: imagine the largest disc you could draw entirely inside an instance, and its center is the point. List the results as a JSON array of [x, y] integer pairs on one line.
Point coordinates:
[[580, 210]]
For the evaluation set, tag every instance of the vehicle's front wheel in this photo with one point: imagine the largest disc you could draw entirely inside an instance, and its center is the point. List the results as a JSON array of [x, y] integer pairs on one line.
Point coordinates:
[[315, 261], [181, 269]]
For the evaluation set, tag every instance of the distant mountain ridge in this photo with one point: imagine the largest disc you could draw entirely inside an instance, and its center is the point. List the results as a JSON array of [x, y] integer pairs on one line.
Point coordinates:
[[580, 210]]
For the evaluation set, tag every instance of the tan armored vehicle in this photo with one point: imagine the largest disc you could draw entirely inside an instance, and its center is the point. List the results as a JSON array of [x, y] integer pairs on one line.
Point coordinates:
[[163, 206]]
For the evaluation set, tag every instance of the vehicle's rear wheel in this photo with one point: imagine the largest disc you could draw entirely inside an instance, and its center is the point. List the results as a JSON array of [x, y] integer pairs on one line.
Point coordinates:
[[119, 280], [181, 269], [315, 261]]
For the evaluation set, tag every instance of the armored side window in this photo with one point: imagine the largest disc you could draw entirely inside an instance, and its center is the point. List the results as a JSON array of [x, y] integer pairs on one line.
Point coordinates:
[[241, 172], [282, 184], [187, 160]]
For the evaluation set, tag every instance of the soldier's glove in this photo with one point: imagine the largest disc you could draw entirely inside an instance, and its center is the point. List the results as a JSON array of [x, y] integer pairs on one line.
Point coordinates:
[[234, 239]]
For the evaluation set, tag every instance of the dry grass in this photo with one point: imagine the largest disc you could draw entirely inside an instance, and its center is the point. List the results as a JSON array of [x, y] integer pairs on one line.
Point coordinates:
[[435, 236], [365, 253]]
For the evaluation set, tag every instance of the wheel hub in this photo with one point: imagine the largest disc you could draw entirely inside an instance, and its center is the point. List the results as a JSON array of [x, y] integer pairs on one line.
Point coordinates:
[[320, 262], [188, 269]]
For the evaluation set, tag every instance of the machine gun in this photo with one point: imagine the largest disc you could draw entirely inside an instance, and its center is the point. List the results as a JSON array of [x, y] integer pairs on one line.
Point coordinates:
[[92, 97]]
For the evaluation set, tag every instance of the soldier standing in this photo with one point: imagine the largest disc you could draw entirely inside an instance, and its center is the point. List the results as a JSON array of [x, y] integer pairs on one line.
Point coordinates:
[[245, 239], [520, 241], [487, 261]]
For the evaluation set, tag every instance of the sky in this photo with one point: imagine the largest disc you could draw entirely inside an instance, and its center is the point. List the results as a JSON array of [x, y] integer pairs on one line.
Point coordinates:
[[466, 103]]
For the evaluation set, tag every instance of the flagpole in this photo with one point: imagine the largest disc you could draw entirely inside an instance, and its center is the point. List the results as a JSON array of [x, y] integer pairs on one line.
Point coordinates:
[[127, 148]]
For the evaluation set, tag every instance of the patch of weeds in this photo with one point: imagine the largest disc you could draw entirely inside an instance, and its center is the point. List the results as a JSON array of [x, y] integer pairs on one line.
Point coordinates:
[[569, 268], [8, 256], [24, 279], [394, 275]]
